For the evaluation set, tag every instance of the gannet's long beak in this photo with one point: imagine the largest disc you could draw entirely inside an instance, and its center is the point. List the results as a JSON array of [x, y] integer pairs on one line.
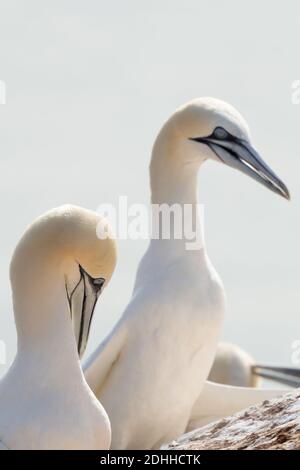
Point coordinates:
[[285, 375], [82, 302], [239, 154]]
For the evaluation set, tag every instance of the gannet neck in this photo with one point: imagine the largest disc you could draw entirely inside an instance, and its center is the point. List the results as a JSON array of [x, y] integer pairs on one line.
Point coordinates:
[[46, 340], [173, 181], [42, 314], [173, 176]]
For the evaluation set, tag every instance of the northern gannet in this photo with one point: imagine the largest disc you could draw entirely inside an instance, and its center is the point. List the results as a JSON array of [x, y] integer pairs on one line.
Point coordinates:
[[150, 371], [58, 271], [233, 366]]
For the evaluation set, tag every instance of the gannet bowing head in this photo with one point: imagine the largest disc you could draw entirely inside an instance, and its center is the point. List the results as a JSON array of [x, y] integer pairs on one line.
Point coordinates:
[[66, 242], [213, 129], [57, 271]]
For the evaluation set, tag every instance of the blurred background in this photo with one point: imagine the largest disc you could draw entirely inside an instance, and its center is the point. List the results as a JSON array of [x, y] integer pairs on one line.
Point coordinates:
[[89, 84]]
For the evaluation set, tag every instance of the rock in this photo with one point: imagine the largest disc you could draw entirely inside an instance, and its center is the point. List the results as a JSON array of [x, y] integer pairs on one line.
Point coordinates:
[[271, 425]]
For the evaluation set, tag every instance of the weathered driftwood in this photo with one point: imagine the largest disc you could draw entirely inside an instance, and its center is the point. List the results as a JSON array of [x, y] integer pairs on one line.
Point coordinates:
[[271, 425]]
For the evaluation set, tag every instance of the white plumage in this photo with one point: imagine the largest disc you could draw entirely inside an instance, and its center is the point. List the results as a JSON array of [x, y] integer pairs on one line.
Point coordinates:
[[45, 402], [151, 370], [233, 366]]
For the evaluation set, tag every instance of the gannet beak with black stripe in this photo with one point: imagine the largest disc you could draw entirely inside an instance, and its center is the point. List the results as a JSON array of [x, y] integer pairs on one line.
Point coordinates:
[[286, 375], [238, 153], [57, 272], [82, 301], [150, 371]]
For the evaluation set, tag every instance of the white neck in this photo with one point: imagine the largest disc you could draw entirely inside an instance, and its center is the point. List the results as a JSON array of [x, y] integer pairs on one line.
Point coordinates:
[[173, 180], [45, 338]]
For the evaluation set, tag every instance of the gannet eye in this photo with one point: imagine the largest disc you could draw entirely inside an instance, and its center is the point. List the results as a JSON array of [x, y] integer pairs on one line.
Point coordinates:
[[98, 283], [220, 133]]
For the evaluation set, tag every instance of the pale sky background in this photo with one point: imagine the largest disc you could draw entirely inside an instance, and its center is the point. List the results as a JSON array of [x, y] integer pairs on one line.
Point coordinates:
[[89, 84]]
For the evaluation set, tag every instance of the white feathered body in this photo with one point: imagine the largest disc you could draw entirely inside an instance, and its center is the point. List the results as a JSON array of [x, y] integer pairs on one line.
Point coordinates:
[[171, 328]]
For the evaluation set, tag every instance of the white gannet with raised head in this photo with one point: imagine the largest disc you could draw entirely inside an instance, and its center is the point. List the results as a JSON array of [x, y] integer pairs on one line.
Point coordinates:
[[149, 372], [58, 271]]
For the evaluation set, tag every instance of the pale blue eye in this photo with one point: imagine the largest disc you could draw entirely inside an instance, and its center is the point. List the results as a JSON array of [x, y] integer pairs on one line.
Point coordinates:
[[220, 133]]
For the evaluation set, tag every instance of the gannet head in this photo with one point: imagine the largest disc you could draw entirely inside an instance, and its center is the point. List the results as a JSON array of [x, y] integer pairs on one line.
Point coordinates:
[[210, 128], [61, 263]]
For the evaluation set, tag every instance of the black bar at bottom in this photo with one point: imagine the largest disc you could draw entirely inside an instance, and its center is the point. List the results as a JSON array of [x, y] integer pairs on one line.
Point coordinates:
[[134, 459]]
